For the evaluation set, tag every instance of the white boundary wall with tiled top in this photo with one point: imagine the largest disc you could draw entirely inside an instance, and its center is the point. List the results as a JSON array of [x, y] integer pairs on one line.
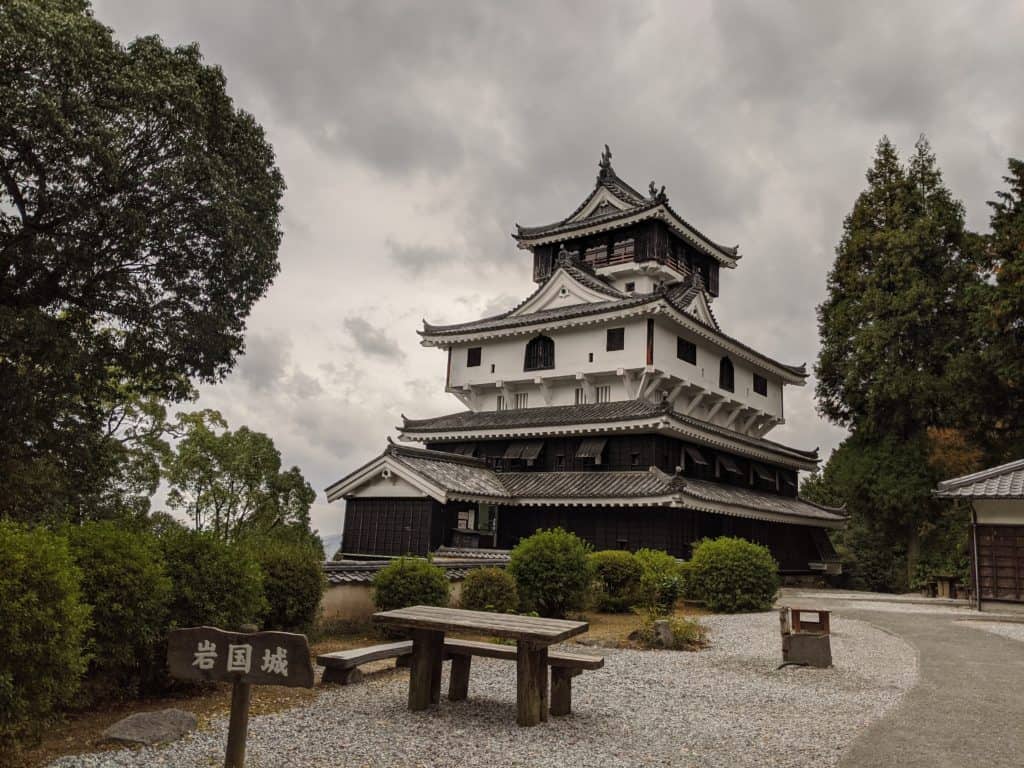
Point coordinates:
[[354, 602]]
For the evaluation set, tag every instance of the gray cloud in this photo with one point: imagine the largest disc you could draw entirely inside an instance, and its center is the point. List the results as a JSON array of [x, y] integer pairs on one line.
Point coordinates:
[[371, 340], [401, 126]]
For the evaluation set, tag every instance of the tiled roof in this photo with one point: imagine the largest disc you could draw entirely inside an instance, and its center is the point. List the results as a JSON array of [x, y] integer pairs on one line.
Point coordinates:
[[591, 413], [1003, 482], [453, 472], [753, 500], [464, 553], [363, 572], [590, 485]]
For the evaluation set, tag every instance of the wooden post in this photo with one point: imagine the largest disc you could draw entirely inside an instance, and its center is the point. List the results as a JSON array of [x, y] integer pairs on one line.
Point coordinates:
[[425, 674], [458, 686], [531, 668], [561, 691], [238, 725]]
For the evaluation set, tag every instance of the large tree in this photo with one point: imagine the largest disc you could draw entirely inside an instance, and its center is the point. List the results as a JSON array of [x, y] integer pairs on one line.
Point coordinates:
[[231, 482], [138, 226], [893, 328]]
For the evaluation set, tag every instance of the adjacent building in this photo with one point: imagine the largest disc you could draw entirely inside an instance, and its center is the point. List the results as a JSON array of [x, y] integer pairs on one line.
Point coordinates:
[[609, 402]]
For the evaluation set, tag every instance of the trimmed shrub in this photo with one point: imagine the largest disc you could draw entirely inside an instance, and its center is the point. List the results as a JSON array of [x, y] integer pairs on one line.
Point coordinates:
[[293, 585], [686, 634], [552, 572], [662, 580], [42, 626], [732, 574], [409, 581], [490, 589], [214, 583], [616, 580], [125, 583]]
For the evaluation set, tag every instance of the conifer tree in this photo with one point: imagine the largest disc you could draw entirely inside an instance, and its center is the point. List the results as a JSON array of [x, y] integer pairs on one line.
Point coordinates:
[[892, 328]]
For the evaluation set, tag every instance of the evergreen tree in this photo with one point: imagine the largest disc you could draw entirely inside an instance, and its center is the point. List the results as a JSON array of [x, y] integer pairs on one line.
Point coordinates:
[[893, 327]]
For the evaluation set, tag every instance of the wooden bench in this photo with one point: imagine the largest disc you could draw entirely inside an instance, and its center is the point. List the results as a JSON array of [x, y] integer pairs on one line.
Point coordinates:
[[343, 666], [564, 667]]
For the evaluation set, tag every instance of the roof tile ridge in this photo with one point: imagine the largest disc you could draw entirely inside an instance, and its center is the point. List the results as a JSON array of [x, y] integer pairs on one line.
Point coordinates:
[[394, 449], [982, 474]]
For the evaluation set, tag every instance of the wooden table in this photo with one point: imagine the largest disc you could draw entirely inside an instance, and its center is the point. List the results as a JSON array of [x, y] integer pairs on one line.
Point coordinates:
[[532, 635]]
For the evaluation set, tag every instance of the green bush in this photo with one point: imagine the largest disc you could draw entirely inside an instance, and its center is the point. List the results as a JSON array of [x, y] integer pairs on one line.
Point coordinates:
[[490, 589], [409, 581], [293, 585], [42, 627], [731, 575], [662, 580], [214, 583], [552, 572], [125, 583], [617, 577]]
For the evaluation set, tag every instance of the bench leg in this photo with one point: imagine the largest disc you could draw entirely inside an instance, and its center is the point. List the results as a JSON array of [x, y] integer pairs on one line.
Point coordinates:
[[425, 674], [458, 685], [561, 691], [531, 684], [342, 676]]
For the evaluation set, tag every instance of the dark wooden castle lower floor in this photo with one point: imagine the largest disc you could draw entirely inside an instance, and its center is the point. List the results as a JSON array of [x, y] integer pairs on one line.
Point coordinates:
[[394, 526]]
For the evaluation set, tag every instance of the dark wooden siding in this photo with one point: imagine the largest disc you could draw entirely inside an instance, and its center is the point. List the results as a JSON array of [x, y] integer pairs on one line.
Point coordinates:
[[379, 526], [672, 530], [1001, 562]]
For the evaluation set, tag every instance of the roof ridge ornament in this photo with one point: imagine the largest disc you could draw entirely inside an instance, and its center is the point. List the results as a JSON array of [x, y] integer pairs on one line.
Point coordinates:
[[658, 195], [605, 165]]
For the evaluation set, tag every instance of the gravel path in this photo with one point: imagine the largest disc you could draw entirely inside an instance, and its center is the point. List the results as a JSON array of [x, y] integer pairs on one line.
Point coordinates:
[[1006, 629], [725, 706]]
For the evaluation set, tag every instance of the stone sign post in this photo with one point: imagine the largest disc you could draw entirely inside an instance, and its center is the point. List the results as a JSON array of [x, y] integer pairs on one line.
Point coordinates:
[[244, 659]]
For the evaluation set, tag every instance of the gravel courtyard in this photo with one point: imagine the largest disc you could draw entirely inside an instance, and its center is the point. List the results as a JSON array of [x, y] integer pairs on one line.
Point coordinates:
[[725, 706]]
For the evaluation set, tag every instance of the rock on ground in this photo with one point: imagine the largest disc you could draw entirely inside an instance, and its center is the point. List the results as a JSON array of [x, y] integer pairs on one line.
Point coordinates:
[[148, 728]]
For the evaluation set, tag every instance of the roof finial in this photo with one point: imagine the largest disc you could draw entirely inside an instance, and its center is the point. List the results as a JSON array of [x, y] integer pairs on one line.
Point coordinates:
[[605, 165], [655, 193]]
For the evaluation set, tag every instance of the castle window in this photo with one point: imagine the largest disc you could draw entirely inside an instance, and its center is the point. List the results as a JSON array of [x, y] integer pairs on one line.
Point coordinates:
[[581, 396], [501, 403], [603, 393], [540, 354], [760, 385], [726, 375], [473, 357], [522, 398], [686, 350], [630, 287], [616, 339]]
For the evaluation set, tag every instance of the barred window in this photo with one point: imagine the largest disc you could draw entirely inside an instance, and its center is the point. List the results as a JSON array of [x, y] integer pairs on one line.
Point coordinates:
[[540, 354]]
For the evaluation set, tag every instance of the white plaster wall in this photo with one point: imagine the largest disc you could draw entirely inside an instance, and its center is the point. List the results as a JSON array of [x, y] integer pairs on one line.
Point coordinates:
[[705, 372], [1000, 511], [393, 487], [572, 349]]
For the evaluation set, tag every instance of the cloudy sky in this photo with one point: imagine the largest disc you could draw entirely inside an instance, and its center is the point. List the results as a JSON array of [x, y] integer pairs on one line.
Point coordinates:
[[413, 136]]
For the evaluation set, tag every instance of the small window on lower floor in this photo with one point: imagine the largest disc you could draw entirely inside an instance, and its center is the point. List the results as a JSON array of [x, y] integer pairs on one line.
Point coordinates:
[[760, 385], [616, 339], [634, 459], [630, 287], [522, 398], [686, 350], [581, 396], [501, 403], [473, 357], [559, 461], [603, 393]]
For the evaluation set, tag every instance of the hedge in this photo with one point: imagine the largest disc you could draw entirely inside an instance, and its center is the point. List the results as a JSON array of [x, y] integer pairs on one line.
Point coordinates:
[[731, 575], [662, 580], [617, 576], [42, 627], [293, 585], [552, 572], [409, 581], [489, 589], [125, 583]]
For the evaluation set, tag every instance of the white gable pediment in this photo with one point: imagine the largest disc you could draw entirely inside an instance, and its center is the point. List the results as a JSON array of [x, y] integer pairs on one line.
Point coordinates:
[[385, 477], [562, 290], [601, 196], [700, 309]]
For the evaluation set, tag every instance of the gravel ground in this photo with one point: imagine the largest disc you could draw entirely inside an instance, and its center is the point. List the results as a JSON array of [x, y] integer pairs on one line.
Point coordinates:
[[1004, 628], [725, 706]]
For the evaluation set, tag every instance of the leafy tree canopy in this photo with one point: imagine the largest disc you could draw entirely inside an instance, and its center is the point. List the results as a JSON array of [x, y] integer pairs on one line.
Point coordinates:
[[232, 484], [138, 226]]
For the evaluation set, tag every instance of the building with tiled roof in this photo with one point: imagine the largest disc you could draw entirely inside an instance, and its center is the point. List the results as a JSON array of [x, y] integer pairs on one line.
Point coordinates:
[[995, 499], [609, 402]]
